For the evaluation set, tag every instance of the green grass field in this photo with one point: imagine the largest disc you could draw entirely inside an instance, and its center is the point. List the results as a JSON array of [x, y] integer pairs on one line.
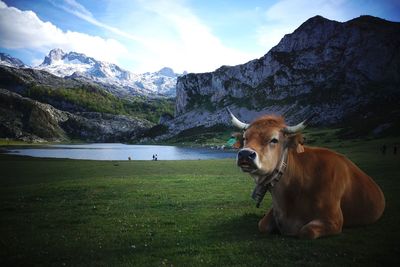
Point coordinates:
[[173, 213]]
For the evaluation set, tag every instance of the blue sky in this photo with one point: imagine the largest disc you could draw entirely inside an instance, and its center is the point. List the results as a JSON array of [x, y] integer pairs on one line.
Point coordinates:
[[146, 35]]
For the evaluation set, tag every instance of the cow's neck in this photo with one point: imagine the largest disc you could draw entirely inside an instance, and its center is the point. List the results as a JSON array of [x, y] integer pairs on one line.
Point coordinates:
[[271, 179], [267, 182], [292, 175]]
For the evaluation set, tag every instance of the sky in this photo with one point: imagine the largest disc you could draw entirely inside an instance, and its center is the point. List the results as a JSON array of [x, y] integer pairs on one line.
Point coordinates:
[[185, 35]]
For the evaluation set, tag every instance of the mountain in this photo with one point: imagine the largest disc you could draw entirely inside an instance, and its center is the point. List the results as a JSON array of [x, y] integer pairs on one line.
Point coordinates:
[[72, 96], [7, 60], [25, 119], [119, 81], [75, 95], [36, 105], [346, 73], [66, 64]]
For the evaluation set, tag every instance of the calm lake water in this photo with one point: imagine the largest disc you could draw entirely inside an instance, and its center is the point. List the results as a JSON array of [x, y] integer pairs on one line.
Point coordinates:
[[121, 152]]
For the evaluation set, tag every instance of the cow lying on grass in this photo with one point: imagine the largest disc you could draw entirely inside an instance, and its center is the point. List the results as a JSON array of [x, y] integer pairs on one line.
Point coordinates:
[[315, 191]]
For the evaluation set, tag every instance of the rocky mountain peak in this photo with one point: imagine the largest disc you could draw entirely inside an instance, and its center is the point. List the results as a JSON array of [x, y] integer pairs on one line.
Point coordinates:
[[7, 60], [81, 58], [316, 20], [326, 67], [119, 81], [167, 72], [312, 33], [54, 55]]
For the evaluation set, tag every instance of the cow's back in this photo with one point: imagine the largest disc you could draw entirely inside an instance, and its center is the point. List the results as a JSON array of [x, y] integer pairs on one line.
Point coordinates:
[[336, 178]]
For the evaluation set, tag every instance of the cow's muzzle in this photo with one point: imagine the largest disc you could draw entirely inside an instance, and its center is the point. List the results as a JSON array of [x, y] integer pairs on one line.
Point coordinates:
[[246, 159]]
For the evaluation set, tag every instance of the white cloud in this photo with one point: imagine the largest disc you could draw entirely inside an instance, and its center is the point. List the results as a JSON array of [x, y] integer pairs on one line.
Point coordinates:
[[145, 35], [194, 47], [25, 30], [286, 15], [36, 61], [179, 39], [76, 9]]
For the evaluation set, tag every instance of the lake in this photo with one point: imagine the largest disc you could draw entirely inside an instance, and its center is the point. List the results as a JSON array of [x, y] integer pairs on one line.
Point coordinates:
[[100, 151]]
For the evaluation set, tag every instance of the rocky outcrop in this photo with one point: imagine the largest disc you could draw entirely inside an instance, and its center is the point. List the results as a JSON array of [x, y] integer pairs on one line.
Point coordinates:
[[102, 127], [336, 70], [25, 119]]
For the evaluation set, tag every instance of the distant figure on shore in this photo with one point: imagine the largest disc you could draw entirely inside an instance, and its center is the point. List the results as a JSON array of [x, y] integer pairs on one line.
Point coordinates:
[[395, 149], [155, 157], [129, 158], [383, 149]]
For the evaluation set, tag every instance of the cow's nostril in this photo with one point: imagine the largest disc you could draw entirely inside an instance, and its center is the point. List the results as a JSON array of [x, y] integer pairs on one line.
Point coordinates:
[[247, 154]]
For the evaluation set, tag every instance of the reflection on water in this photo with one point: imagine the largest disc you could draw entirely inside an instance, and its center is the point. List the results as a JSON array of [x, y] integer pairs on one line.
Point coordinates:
[[122, 152]]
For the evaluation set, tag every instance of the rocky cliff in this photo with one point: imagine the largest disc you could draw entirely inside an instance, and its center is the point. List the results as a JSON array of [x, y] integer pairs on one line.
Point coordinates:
[[340, 71], [25, 119]]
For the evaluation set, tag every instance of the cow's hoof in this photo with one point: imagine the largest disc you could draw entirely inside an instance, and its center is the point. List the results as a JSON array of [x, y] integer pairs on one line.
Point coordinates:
[[308, 233], [311, 230], [263, 226]]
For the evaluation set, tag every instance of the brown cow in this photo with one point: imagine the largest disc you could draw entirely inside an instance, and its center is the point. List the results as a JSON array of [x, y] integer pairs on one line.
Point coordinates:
[[315, 191]]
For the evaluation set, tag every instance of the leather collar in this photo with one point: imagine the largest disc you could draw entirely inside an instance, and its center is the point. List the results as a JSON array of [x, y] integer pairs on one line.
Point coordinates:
[[271, 179]]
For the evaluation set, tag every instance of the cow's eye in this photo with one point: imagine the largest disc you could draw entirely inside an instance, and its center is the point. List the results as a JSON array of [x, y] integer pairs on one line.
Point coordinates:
[[274, 141]]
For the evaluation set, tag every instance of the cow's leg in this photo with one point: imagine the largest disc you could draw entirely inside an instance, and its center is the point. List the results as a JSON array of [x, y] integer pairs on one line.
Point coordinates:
[[317, 228], [267, 223]]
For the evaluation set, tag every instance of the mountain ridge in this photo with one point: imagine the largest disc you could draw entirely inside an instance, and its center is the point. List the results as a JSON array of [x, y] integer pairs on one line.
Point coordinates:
[[340, 71], [8, 60], [117, 80]]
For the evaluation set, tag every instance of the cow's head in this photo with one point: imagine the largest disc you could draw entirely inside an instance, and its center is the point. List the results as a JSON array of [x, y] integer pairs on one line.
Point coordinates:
[[264, 141]]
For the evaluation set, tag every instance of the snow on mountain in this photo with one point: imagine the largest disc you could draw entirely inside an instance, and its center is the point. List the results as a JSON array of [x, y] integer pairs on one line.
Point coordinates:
[[116, 79], [7, 60]]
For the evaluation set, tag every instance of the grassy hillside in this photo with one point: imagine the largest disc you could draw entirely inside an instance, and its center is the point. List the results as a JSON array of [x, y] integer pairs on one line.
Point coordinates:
[[173, 213], [219, 134], [92, 98], [78, 96]]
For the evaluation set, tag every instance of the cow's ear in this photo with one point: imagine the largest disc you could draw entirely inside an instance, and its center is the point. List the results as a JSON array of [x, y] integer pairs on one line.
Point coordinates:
[[239, 140], [238, 145], [300, 148], [296, 141]]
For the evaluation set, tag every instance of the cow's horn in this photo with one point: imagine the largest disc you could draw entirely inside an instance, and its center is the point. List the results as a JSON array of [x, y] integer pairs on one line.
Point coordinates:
[[299, 127], [238, 123]]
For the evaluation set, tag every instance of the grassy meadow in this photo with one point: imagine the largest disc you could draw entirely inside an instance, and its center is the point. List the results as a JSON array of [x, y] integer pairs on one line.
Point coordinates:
[[59, 212]]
